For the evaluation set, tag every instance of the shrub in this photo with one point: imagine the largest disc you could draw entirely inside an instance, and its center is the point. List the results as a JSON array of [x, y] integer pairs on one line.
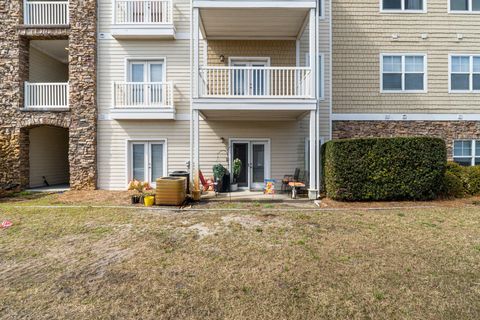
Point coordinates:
[[452, 186], [469, 177], [472, 180], [407, 168]]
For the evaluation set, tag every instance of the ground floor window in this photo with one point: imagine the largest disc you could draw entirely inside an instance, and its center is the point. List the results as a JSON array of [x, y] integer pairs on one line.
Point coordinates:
[[147, 160], [466, 152]]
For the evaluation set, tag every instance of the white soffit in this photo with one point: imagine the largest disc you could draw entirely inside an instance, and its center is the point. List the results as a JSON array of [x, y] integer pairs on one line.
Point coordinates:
[[273, 23]]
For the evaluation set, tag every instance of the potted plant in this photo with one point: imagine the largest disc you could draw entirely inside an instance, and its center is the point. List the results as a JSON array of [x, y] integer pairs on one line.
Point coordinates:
[[139, 187], [218, 172], [236, 168]]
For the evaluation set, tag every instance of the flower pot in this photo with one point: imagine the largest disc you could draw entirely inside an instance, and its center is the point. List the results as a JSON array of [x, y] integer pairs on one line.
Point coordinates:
[[234, 187], [136, 199], [148, 201]]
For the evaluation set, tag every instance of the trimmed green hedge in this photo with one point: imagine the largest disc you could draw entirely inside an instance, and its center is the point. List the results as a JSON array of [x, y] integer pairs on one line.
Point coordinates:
[[461, 181], [407, 168]]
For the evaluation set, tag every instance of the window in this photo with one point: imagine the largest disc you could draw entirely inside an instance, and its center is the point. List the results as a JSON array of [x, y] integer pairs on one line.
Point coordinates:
[[404, 5], [145, 83], [464, 73], [147, 160], [465, 5], [403, 73], [466, 152]]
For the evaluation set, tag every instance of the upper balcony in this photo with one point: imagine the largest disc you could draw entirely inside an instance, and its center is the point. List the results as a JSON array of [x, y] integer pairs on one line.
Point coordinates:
[[260, 56], [143, 19], [47, 86], [45, 13]]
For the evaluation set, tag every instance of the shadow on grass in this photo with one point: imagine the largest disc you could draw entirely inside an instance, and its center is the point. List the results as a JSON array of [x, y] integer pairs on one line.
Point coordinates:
[[24, 196]]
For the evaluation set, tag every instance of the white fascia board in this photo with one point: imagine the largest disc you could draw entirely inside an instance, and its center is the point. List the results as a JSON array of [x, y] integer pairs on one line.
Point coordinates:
[[142, 114], [405, 117], [254, 4], [253, 104], [143, 31]]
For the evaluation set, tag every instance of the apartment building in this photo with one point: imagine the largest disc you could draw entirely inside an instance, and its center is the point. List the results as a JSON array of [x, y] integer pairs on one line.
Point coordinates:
[[96, 93], [408, 67], [48, 93], [184, 85]]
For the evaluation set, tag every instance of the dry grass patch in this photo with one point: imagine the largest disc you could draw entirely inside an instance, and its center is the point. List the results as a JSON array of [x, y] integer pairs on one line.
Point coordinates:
[[83, 263]]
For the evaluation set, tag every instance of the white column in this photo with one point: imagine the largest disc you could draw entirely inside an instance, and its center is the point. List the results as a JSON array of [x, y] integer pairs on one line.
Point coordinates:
[[196, 50], [313, 50], [195, 165], [312, 188]]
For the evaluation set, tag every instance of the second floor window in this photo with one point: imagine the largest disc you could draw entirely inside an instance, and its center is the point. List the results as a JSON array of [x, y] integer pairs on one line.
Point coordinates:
[[403, 73], [403, 5], [465, 5], [464, 73]]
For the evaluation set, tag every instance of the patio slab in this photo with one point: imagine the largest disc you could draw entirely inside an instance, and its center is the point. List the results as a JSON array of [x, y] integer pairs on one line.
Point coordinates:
[[246, 195], [55, 188]]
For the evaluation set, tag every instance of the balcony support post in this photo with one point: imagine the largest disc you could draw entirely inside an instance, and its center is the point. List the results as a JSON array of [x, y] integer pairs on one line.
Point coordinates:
[[195, 165], [312, 51], [312, 188], [196, 50]]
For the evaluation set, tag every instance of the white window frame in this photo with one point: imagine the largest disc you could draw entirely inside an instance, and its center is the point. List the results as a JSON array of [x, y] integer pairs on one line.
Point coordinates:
[[130, 60], [129, 155], [403, 10], [450, 65], [472, 157], [403, 55], [469, 11]]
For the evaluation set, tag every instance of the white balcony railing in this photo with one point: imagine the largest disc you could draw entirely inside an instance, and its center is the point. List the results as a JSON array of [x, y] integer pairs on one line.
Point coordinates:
[[143, 12], [143, 95], [46, 95], [46, 12], [255, 82]]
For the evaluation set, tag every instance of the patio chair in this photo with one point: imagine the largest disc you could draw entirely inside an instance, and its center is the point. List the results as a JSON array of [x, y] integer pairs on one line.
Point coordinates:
[[294, 183]]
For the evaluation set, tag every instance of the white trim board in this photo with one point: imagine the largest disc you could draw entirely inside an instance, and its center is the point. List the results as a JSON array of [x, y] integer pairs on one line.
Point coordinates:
[[253, 4], [405, 117]]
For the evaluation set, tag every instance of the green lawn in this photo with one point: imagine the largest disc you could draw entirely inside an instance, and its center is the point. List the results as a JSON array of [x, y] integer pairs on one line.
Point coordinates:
[[89, 263]]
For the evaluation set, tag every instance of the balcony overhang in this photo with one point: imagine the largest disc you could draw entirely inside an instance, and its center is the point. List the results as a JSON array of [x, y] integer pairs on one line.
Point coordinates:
[[143, 31], [235, 19], [253, 109], [142, 114]]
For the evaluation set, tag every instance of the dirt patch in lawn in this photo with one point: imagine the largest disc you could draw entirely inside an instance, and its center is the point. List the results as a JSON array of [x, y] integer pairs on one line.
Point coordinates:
[[104, 263]]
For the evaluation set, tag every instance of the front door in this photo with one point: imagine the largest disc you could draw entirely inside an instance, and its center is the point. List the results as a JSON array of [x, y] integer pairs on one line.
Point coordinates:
[[147, 161], [254, 155], [250, 78]]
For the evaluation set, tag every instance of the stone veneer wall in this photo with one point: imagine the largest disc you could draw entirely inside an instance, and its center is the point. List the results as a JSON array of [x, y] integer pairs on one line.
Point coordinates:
[[81, 117], [447, 130]]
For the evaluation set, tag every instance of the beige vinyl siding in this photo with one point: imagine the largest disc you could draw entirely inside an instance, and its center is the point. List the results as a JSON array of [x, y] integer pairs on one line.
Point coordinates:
[[181, 15], [43, 68], [112, 141], [361, 33], [323, 48], [48, 156], [112, 56]]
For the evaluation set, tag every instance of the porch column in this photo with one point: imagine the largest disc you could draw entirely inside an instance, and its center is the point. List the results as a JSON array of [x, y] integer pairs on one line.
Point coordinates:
[[312, 188], [196, 50], [313, 50], [195, 166]]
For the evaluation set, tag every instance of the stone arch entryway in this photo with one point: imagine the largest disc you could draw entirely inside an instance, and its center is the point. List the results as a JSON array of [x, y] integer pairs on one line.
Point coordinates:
[[44, 153]]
